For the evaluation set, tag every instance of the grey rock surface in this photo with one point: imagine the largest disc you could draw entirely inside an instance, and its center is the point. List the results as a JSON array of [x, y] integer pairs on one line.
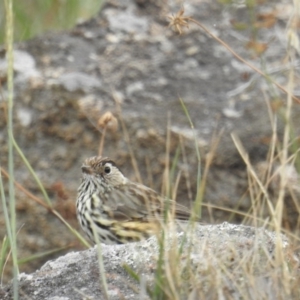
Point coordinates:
[[217, 251], [128, 55]]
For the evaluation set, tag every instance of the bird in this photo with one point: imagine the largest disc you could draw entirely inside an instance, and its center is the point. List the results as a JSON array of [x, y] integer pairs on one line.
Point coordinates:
[[112, 209]]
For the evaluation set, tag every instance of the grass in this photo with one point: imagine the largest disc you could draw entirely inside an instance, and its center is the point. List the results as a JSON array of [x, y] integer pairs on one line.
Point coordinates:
[[169, 283], [177, 274], [10, 217], [34, 17], [10, 204]]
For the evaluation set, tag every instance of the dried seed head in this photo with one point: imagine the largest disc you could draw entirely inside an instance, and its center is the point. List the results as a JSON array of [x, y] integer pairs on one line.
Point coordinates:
[[109, 121], [179, 20]]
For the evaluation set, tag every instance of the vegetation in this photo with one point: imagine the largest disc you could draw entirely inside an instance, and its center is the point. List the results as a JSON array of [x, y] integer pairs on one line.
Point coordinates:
[[34, 17], [177, 280]]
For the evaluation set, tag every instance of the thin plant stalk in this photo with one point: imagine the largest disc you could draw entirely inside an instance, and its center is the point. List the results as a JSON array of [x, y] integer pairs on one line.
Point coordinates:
[[40, 255], [127, 139], [101, 145], [6, 214], [197, 208], [10, 87], [245, 157], [283, 176], [186, 173], [36, 178], [101, 263], [4, 253], [258, 71], [49, 208], [167, 184]]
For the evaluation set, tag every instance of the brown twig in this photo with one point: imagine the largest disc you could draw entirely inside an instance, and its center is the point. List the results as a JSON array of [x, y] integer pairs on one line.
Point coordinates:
[[49, 208], [26, 192]]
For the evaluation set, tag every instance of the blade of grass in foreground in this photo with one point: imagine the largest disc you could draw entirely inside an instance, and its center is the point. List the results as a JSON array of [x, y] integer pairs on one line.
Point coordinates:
[[10, 87], [49, 208], [100, 262], [32, 172], [3, 256], [197, 206], [40, 255]]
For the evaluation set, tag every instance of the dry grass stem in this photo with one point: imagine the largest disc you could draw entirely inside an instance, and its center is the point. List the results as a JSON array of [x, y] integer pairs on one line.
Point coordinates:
[[179, 20], [127, 139], [49, 208]]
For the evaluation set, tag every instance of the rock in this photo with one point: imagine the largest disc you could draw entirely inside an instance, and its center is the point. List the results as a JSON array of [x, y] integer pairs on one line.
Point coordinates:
[[128, 63], [75, 81], [225, 261], [24, 66]]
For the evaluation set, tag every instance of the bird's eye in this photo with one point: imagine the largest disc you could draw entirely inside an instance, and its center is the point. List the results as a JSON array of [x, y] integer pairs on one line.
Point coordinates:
[[107, 170]]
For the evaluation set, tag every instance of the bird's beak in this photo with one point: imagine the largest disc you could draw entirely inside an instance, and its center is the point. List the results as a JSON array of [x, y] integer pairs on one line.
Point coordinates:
[[86, 169]]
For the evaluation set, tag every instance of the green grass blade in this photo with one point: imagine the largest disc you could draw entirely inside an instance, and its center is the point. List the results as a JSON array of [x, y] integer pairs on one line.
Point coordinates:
[[3, 255], [26, 162], [10, 89], [40, 255], [198, 201]]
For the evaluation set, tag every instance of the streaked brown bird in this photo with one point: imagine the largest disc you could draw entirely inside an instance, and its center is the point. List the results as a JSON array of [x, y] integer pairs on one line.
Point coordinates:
[[116, 209]]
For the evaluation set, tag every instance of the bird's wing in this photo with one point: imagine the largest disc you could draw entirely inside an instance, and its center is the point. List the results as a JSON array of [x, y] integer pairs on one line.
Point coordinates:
[[136, 201]]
